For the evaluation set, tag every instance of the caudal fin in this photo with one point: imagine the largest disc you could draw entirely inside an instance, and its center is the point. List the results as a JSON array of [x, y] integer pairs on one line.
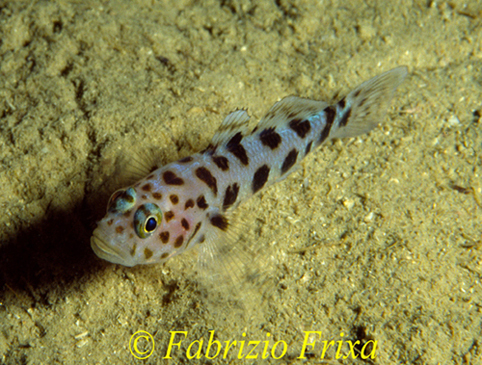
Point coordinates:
[[364, 108]]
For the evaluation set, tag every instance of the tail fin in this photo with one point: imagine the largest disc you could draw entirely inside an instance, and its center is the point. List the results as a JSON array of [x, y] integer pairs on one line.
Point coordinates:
[[364, 108]]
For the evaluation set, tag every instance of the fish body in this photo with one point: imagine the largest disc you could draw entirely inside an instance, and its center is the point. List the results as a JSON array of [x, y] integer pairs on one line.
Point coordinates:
[[188, 202]]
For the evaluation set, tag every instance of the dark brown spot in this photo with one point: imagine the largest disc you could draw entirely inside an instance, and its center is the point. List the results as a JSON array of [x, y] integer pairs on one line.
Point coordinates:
[[164, 255], [147, 253], [330, 114], [301, 127], [308, 148], [164, 236], [292, 114], [345, 117], [201, 202], [206, 177], [189, 204], [144, 196], [357, 93], [169, 215], [210, 149], [131, 235], [150, 177], [236, 148], [127, 214], [178, 242], [220, 222], [119, 229], [270, 114], [289, 161], [202, 239], [157, 196], [185, 159], [109, 222], [133, 249], [330, 117], [221, 162], [259, 179], [270, 138], [174, 199], [185, 224], [230, 195], [362, 102], [171, 178], [146, 187], [341, 103], [196, 229]]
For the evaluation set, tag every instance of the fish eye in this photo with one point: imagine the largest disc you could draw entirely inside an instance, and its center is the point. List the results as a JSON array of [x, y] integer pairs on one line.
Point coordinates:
[[114, 197], [147, 219], [151, 224], [122, 201]]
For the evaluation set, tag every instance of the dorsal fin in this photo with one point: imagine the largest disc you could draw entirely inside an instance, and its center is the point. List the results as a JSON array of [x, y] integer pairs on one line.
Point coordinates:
[[235, 122], [289, 108]]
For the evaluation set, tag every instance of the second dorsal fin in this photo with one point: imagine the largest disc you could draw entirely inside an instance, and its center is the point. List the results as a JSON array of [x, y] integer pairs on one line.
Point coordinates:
[[290, 108]]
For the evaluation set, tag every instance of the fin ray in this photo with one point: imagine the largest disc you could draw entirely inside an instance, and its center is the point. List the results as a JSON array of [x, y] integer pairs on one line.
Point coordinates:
[[365, 107], [233, 266], [290, 108], [235, 122]]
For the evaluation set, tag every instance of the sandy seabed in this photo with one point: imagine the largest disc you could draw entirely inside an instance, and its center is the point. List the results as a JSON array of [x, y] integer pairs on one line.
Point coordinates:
[[374, 243]]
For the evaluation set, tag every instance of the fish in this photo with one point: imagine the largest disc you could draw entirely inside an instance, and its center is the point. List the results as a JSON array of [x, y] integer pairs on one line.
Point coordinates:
[[189, 203]]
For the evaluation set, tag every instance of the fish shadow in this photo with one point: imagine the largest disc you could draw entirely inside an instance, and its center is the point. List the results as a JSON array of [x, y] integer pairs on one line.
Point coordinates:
[[52, 254]]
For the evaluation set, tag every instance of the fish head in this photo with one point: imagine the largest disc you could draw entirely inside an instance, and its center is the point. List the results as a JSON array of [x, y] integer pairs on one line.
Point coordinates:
[[144, 224]]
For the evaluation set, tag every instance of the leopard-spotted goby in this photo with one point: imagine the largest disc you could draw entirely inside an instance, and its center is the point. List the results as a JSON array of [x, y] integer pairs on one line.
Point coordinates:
[[187, 202]]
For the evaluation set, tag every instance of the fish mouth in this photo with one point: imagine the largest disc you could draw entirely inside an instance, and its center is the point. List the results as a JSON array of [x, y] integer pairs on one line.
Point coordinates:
[[108, 252]]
